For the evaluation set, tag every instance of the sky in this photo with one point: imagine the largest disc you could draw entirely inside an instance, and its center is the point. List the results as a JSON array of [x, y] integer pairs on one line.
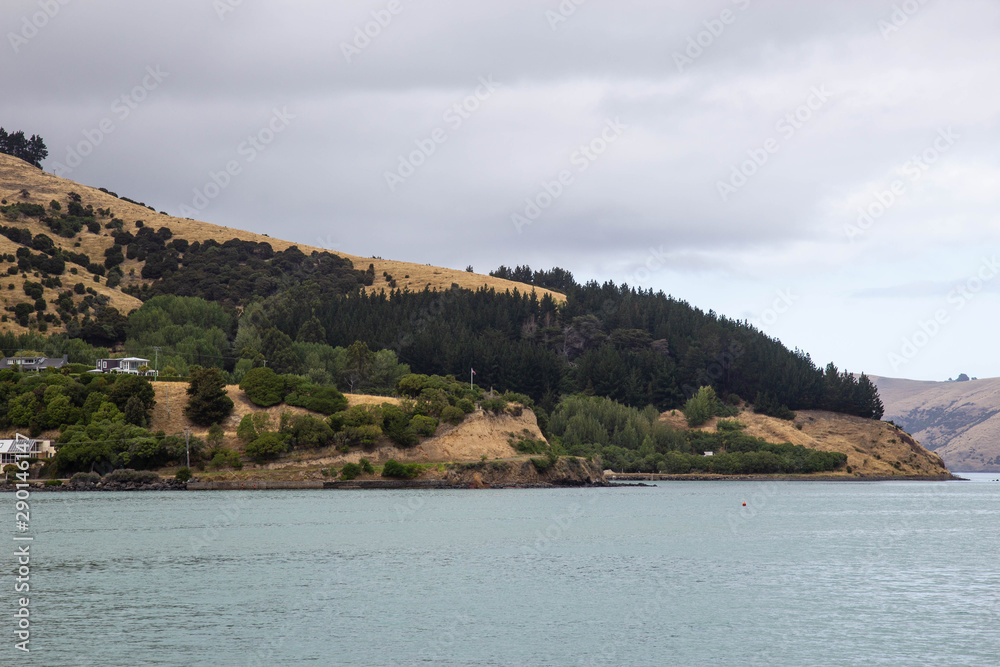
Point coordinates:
[[827, 171]]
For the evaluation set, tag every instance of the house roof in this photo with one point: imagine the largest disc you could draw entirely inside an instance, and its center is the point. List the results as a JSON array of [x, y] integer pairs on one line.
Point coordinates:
[[10, 446]]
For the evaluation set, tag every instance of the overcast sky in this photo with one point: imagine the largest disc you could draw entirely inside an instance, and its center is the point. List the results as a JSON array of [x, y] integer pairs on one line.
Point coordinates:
[[828, 170]]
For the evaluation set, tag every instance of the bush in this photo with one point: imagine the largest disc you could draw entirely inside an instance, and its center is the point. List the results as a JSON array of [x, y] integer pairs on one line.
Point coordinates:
[[318, 399], [526, 445], [53, 482], [129, 476], [226, 458], [423, 425], [85, 479], [396, 425], [367, 467], [454, 414], [497, 405], [263, 387], [183, 475], [308, 432], [350, 471], [246, 431], [465, 405], [394, 468], [267, 447], [363, 436]]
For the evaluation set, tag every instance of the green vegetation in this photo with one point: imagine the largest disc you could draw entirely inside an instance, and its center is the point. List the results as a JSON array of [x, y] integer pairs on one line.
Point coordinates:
[[704, 405], [630, 440], [395, 469], [208, 402]]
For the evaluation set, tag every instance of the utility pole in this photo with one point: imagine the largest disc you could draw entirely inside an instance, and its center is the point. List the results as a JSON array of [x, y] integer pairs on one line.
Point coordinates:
[[187, 445], [166, 388], [156, 363]]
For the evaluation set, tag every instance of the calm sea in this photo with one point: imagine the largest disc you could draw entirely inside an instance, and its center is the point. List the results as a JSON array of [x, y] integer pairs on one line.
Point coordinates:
[[682, 573]]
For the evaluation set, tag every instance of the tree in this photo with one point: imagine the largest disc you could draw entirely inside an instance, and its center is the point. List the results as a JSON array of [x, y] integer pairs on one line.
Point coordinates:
[[135, 412], [357, 367], [207, 403], [127, 387], [263, 387], [701, 407], [268, 446], [32, 150]]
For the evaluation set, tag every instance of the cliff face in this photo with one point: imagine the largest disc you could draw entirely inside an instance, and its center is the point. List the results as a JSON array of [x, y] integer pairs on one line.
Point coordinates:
[[567, 471]]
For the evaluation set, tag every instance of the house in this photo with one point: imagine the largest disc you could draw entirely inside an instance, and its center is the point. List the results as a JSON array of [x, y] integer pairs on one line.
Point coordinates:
[[130, 365], [38, 449], [32, 363]]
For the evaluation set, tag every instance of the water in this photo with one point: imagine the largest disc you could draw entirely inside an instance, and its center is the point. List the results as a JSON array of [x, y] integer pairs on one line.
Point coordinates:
[[808, 573]]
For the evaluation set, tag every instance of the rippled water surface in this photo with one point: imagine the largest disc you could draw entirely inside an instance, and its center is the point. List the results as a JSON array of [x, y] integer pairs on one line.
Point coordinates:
[[817, 573]]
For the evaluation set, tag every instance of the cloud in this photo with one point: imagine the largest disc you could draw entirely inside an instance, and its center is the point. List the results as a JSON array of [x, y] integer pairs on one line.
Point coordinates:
[[751, 88]]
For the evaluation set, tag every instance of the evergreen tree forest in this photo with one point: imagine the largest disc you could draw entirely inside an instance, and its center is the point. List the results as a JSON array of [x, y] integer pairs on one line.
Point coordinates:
[[636, 347]]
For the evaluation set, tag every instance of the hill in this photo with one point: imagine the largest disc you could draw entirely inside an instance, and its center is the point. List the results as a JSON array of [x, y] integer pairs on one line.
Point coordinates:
[[960, 421], [83, 258], [873, 448], [68, 230]]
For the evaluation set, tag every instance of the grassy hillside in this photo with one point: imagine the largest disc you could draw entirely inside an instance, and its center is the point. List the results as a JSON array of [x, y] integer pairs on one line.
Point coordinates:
[[42, 188], [958, 420], [873, 448]]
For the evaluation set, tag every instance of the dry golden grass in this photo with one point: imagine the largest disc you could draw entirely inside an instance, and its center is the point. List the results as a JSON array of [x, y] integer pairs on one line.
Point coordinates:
[[872, 447], [480, 434], [43, 187]]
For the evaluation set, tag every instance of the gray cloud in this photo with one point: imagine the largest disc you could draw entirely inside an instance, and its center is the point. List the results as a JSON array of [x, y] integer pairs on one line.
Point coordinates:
[[323, 177]]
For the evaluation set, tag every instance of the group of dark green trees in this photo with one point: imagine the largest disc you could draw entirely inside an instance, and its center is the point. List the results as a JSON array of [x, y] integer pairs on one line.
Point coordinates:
[[32, 150]]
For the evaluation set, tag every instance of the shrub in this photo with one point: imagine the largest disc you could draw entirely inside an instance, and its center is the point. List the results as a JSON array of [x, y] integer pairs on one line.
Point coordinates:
[[350, 471], [526, 445], [183, 475], [423, 425], [309, 432], [366, 466], [226, 458], [246, 431], [396, 425], [497, 405], [318, 399], [53, 482], [364, 436], [267, 447], [263, 387], [394, 468], [453, 414], [129, 476], [85, 479], [465, 405]]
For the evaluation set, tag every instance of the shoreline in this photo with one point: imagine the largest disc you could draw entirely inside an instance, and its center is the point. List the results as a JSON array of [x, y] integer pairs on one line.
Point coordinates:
[[662, 477], [611, 480]]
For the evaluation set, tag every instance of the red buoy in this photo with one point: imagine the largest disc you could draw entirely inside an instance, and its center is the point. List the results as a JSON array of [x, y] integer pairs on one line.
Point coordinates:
[[744, 504]]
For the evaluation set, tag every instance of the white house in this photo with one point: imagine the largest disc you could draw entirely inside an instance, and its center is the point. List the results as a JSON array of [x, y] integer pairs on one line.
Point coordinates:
[[130, 365], [38, 449]]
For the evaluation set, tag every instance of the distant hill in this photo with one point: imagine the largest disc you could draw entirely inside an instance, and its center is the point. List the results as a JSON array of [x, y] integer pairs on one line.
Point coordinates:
[[958, 420]]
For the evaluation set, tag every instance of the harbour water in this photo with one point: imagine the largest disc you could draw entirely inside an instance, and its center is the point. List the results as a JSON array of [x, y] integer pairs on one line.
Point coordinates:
[[677, 573]]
